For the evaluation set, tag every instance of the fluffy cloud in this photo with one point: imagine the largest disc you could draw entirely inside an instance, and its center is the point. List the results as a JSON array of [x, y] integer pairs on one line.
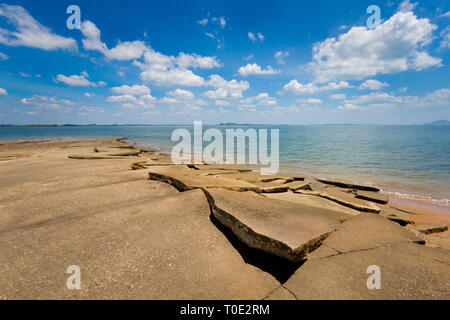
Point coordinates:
[[221, 21], [173, 71], [78, 80], [196, 61], [407, 6], [445, 35], [262, 99], [225, 89], [46, 102], [254, 69], [3, 92], [203, 22], [30, 33], [338, 96], [296, 87], [281, 55], [128, 50], [3, 56], [133, 97], [181, 94], [439, 97], [310, 101], [182, 101], [122, 98], [132, 90], [157, 68], [348, 107], [259, 36], [372, 84], [374, 96], [394, 46], [445, 15]]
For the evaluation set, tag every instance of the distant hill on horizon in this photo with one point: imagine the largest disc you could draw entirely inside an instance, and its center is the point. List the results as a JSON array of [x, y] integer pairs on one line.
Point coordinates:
[[438, 123]]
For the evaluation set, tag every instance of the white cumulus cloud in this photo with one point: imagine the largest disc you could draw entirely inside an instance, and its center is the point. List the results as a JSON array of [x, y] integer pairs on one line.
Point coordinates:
[[372, 84], [225, 89], [132, 90], [296, 87], [28, 32], [78, 80], [254, 69], [394, 46]]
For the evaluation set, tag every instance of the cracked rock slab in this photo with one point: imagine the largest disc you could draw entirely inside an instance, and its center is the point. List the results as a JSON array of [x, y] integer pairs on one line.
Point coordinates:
[[184, 179], [338, 269], [377, 197], [400, 217], [347, 199], [284, 229], [313, 201], [428, 228], [367, 231], [280, 294], [298, 185], [348, 184], [408, 271]]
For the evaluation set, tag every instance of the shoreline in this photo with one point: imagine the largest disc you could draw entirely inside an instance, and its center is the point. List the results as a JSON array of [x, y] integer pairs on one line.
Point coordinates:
[[408, 196]]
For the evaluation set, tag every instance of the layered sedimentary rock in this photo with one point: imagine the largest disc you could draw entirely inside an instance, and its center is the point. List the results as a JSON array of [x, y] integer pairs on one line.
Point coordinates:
[[278, 227], [348, 199], [372, 196], [348, 184]]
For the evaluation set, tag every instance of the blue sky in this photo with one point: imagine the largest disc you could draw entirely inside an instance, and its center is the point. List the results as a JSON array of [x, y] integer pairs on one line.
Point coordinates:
[[271, 62]]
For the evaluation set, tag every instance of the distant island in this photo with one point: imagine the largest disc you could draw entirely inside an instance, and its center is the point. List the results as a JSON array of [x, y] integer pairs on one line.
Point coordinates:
[[438, 123]]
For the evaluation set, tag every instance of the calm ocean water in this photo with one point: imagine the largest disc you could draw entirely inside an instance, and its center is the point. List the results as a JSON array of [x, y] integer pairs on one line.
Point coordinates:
[[411, 160]]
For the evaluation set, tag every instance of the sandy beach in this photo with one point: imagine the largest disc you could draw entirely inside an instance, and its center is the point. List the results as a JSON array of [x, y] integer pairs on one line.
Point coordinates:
[[140, 227]]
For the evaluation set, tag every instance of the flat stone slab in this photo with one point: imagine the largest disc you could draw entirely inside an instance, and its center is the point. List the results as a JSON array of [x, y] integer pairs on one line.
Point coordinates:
[[89, 157], [308, 192], [347, 184], [236, 167], [272, 187], [125, 154], [348, 199], [184, 179], [284, 229], [428, 228], [317, 186], [368, 231], [408, 271], [289, 178], [372, 196], [400, 217], [338, 269], [313, 201], [298, 185]]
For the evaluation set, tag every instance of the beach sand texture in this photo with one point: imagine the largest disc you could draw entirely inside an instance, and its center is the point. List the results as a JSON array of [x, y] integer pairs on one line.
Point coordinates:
[[140, 227]]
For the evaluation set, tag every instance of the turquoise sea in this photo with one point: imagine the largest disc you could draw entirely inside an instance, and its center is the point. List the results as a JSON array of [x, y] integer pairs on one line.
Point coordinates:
[[412, 161]]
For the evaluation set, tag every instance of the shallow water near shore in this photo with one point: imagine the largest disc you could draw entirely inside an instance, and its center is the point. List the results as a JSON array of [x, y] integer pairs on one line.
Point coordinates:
[[406, 161]]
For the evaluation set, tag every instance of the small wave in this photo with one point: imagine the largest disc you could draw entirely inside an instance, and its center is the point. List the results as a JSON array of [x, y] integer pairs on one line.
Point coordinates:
[[441, 202]]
